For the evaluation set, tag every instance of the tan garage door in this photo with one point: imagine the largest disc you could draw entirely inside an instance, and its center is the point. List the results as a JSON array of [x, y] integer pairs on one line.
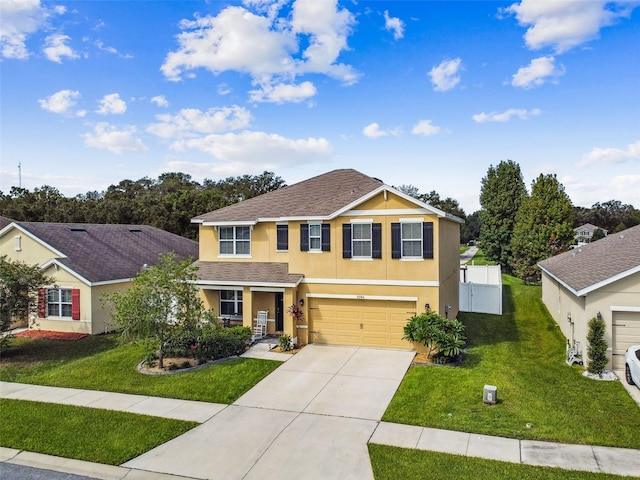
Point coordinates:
[[372, 323], [626, 332]]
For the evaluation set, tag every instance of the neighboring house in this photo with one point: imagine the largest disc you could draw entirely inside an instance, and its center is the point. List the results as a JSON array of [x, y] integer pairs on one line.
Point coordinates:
[[583, 233], [357, 256], [86, 260], [601, 278]]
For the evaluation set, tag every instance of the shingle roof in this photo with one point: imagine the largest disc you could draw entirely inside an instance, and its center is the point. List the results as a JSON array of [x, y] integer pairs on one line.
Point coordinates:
[[101, 253], [319, 196], [588, 267], [244, 273], [4, 221]]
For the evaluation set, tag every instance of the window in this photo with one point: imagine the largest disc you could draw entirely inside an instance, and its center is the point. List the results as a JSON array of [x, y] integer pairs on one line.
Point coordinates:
[[59, 302], [361, 240], [411, 240], [315, 237], [235, 240], [230, 302], [282, 237]]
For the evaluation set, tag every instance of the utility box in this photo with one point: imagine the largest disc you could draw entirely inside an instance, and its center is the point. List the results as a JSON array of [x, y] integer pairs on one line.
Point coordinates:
[[490, 395]]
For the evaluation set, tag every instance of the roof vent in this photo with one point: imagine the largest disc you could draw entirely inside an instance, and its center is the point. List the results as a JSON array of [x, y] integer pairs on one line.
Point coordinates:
[[77, 229], [622, 236]]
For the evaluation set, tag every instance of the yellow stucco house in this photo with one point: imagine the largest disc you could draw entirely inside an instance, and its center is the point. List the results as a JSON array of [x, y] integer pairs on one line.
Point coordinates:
[[86, 261], [355, 255]]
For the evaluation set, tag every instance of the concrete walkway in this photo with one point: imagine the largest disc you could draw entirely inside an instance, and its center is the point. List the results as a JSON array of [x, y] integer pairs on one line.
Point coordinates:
[[310, 418], [468, 255]]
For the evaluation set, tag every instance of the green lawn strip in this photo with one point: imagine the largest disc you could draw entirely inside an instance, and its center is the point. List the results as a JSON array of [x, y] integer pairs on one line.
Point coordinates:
[[540, 397], [115, 370], [480, 259], [391, 463], [90, 434]]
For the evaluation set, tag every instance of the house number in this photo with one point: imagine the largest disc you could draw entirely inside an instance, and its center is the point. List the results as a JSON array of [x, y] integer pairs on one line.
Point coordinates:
[[360, 297]]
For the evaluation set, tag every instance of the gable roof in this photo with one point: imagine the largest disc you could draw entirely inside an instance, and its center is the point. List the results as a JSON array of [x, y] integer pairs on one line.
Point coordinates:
[[589, 227], [4, 221], [322, 197], [100, 253], [592, 266]]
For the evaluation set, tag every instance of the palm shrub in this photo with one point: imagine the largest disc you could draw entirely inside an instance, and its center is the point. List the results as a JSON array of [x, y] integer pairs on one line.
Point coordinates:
[[444, 339], [597, 348]]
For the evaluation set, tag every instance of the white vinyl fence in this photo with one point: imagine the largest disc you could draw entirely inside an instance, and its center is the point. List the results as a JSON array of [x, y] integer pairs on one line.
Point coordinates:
[[481, 289]]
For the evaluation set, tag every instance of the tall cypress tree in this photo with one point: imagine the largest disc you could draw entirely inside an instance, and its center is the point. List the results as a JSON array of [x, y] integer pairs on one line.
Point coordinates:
[[501, 194]]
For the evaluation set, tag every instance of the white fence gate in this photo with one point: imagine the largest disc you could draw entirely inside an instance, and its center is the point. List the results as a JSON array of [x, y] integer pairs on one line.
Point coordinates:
[[481, 289]]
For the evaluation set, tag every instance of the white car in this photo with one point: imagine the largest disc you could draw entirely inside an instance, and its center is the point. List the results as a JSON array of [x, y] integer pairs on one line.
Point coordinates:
[[632, 365]]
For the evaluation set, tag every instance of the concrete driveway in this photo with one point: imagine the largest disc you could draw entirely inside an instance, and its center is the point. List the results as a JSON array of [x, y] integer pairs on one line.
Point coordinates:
[[311, 418]]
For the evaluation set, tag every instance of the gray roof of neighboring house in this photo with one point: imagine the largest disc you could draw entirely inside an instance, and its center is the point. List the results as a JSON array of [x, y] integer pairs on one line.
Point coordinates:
[[104, 252], [319, 196], [246, 273], [588, 227], [4, 221], [596, 264]]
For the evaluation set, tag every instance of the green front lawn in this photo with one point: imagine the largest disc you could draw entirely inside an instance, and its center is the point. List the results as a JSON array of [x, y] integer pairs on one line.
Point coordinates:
[[392, 463], [540, 398], [90, 434], [98, 363]]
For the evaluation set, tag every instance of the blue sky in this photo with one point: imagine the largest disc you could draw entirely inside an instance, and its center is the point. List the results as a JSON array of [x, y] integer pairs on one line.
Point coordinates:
[[412, 92]]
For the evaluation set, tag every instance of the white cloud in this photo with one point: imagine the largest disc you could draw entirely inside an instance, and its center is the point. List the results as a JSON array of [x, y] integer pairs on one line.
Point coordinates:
[[394, 25], [112, 104], [20, 19], [373, 131], [60, 102], [426, 128], [611, 156], [521, 113], [101, 46], [566, 24], [56, 48], [258, 148], [265, 46], [114, 139], [284, 93], [446, 75], [160, 101], [191, 122], [224, 89], [537, 73]]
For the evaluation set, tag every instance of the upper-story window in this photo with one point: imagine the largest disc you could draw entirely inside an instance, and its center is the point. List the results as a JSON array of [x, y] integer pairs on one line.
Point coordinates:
[[362, 240], [315, 237], [235, 240], [412, 239], [282, 237]]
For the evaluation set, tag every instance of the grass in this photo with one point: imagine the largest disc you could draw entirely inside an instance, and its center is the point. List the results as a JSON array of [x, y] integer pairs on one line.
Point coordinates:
[[90, 434], [480, 259], [99, 363], [540, 397], [391, 463]]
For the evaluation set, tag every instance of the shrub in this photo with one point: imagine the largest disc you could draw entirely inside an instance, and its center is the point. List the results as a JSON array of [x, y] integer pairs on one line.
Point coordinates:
[[220, 343], [285, 342], [597, 349], [445, 339]]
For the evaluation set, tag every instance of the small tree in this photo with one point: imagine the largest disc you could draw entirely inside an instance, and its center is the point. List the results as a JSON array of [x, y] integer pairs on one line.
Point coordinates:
[[162, 300], [597, 349], [441, 337], [19, 285]]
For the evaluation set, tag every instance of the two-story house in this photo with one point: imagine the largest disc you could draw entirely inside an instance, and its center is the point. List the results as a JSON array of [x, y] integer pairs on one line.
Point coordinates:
[[357, 256]]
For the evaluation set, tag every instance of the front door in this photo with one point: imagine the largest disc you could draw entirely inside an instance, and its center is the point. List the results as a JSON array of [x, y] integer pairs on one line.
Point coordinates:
[[279, 312]]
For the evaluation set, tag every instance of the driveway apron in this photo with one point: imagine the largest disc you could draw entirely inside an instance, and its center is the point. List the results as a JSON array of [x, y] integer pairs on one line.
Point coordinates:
[[310, 418]]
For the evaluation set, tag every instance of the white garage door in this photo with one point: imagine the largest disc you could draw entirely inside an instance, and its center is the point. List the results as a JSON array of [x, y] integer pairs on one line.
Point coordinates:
[[372, 323], [626, 332]]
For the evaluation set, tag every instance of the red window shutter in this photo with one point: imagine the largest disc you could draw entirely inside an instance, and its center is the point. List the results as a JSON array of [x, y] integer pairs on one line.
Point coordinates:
[[75, 304], [42, 303]]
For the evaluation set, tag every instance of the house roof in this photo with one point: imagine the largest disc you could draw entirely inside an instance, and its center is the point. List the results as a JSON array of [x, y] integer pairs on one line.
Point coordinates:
[[592, 266], [103, 252], [246, 273], [588, 227], [321, 197], [4, 221]]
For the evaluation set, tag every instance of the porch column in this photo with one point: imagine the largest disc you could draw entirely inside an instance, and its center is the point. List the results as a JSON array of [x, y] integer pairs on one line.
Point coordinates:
[[247, 308]]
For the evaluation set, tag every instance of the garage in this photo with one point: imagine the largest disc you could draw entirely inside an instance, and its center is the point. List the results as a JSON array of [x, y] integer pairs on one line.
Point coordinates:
[[366, 322], [625, 332]]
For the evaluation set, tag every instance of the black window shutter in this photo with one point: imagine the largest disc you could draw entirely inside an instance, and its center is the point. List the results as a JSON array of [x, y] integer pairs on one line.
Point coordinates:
[[304, 237], [396, 241], [346, 240], [282, 237], [326, 237], [427, 240], [376, 240]]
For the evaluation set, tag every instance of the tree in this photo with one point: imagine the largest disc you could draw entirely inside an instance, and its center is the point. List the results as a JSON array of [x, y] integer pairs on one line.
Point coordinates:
[[543, 227], [471, 228], [19, 285], [501, 194], [163, 300], [597, 235], [597, 348]]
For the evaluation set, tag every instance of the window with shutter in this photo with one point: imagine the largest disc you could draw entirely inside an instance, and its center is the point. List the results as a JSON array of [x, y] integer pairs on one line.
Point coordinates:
[[282, 238]]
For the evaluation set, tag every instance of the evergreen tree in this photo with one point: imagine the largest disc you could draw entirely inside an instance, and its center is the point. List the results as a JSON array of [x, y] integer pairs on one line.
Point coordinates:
[[597, 348], [543, 227], [501, 194]]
